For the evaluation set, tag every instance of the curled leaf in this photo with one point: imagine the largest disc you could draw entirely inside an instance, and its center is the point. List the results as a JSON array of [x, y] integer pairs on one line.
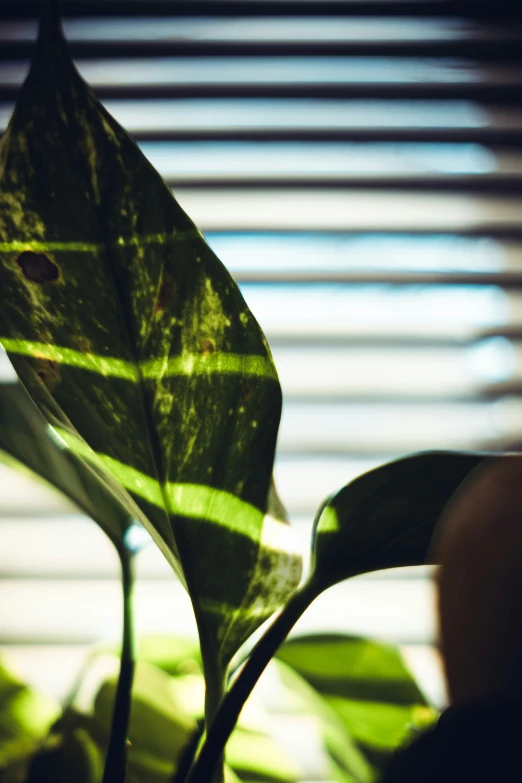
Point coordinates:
[[386, 518]]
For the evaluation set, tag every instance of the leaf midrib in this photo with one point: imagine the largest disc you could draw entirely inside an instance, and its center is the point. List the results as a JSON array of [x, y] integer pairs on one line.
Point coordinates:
[[153, 442]]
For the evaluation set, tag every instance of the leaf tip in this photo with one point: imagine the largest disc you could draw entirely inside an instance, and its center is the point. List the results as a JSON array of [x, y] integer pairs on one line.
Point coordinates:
[[50, 21]]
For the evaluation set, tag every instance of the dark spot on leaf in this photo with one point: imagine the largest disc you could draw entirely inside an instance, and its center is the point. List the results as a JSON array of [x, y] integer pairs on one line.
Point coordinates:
[[37, 267], [207, 347], [164, 295], [49, 372], [246, 392]]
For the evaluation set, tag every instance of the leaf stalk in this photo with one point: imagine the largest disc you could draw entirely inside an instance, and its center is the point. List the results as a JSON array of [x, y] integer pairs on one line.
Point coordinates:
[[116, 760], [230, 708]]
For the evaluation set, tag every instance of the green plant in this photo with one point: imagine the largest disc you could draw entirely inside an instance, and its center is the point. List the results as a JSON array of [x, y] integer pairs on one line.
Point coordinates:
[[155, 401]]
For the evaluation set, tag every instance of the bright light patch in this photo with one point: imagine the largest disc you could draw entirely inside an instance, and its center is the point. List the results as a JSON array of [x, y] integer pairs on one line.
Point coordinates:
[[7, 373], [280, 253], [139, 240], [188, 364], [217, 363], [38, 246], [136, 538], [493, 360], [56, 438], [104, 365], [196, 501], [329, 522], [329, 309]]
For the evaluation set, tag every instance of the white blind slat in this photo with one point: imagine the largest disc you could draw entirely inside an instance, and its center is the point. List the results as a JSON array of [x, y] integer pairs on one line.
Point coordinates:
[[283, 29]]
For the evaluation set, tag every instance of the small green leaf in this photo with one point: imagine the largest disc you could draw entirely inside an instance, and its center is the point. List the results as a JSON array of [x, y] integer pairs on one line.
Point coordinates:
[[26, 437], [386, 518], [139, 349]]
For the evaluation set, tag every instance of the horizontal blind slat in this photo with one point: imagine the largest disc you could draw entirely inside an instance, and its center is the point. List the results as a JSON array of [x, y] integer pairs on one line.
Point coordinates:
[[424, 119], [78, 611], [427, 74], [284, 30]]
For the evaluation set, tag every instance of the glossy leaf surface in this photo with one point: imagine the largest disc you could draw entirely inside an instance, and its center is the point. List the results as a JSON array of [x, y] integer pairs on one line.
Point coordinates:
[[367, 684], [386, 518], [136, 344]]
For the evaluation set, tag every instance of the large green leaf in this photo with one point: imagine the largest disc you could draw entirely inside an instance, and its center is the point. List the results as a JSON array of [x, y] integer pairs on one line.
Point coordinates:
[[26, 437], [138, 347], [386, 518], [367, 684]]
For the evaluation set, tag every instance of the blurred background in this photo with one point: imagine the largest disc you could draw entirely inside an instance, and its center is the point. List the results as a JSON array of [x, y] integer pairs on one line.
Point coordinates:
[[357, 166]]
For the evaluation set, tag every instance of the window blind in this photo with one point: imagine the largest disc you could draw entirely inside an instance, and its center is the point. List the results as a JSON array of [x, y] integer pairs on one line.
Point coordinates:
[[357, 165]]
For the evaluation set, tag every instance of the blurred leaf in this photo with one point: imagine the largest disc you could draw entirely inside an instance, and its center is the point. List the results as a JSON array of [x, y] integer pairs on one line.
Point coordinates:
[[230, 775], [353, 667], [367, 684], [160, 724], [386, 518], [27, 438], [342, 761], [164, 715], [175, 655], [25, 718], [148, 768], [381, 725], [255, 756], [71, 758], [138, 347]]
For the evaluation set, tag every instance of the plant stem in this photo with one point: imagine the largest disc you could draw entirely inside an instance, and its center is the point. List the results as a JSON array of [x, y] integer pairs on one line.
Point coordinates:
[[215, 680], [187, 757], [228, 713], [115, 763]]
